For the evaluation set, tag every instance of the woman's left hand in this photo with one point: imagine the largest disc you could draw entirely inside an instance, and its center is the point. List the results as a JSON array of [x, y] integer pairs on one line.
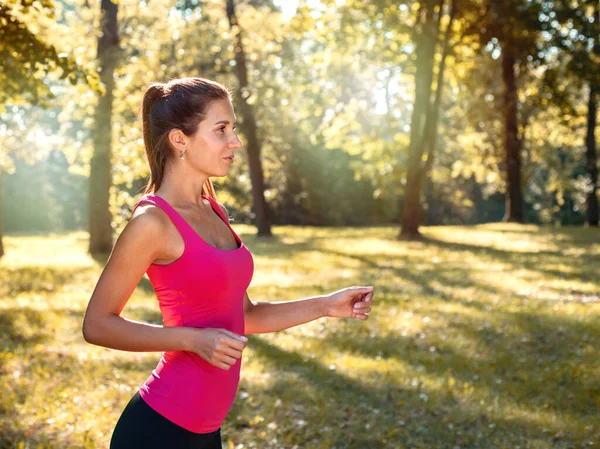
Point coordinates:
[[351, 302]]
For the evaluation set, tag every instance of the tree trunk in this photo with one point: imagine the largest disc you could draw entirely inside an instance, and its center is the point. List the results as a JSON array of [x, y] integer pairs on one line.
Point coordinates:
[[99, 217], [425, 52], [248, 125], [428, 193], [514, 194], [425, 116], [1, 220], [591, 157]]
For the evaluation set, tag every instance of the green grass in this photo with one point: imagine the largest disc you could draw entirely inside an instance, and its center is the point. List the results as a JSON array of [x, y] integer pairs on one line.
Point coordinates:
[[481, 337]]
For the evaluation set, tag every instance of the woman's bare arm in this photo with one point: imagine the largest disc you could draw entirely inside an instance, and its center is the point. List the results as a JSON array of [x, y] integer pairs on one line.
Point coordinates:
[[263, 317], [136, 248], [142, 242]]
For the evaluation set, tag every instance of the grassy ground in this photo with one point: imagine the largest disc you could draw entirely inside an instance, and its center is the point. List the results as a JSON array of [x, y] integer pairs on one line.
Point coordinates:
[[481, 337]]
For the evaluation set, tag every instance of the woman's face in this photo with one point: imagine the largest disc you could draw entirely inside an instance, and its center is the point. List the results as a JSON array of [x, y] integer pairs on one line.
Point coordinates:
[[211, 149]]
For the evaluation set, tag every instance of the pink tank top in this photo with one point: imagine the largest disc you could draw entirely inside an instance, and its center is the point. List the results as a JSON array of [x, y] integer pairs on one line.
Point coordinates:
[[203, 288]]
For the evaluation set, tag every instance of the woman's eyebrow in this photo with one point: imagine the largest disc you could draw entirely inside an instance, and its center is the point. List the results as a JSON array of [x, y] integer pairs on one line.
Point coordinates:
[[225, 122]]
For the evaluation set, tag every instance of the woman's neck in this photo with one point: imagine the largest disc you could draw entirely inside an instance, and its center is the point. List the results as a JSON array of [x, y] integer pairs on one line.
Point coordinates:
[[182, 187]]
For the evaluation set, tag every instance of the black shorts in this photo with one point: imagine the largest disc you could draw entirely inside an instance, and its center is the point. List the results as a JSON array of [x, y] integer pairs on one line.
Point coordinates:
[[140, 426]]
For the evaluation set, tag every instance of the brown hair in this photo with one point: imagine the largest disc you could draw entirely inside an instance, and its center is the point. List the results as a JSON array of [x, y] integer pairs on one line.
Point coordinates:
[[179, 104]]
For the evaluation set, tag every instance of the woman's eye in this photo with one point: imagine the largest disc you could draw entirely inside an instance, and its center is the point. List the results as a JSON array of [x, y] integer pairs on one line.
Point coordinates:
[[221, 129]]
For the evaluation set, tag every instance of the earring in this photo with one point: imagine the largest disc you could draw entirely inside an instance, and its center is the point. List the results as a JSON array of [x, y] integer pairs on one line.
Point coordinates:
[[181, 157]]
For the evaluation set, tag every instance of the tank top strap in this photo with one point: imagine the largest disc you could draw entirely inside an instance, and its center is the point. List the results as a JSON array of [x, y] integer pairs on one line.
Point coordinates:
[[181, 225], [219, 211], [216, 208]]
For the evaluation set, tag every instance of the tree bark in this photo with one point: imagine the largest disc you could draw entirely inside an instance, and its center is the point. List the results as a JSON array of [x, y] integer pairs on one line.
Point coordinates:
[[425, 52], [248, 125], [514, 194], [1, 218], [99, 217], [591, 157], [591, 154]]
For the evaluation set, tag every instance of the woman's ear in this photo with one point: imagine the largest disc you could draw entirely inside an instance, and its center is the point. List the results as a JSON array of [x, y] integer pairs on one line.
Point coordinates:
[[177, 140]]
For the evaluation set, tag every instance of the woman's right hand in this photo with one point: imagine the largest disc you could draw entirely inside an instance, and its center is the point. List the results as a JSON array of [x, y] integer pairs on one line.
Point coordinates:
[[219, 347]]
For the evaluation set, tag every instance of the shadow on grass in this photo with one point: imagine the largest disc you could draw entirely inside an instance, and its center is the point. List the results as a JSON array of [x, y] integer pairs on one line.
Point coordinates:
[[421, 281], [458, 278], [540, 367], [355, 414], [322, 393], [567, 234], [588, 263], [15, 321]]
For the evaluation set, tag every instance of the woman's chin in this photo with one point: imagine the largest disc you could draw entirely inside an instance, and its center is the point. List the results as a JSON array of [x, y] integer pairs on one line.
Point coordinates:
[[220, 174]]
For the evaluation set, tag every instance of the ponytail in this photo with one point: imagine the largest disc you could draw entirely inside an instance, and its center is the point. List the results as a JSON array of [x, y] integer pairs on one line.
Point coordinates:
[[208, 189], [155, 153]]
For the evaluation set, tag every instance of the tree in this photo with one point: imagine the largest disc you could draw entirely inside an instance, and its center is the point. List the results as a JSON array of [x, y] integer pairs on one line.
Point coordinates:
[[428, 38], [248, 125], [100, 181], [512, 27]]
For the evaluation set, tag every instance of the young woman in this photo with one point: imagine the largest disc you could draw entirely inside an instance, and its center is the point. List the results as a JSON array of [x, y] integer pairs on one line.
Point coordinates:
[[200, 269]]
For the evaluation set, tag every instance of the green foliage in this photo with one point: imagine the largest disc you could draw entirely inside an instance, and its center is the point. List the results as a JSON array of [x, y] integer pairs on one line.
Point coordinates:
[[28, 58], [333, 92], [574, 32], [480, 336]]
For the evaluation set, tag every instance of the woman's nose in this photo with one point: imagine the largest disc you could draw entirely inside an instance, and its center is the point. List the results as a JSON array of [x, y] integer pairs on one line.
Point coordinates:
[[236, 143]]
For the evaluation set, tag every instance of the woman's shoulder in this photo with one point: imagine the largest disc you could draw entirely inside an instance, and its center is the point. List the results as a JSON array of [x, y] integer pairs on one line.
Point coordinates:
[[143, 236], [149, 219]]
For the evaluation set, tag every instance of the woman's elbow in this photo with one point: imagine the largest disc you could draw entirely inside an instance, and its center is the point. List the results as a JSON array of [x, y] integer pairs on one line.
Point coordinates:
[[88, 332], [91, 330]]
